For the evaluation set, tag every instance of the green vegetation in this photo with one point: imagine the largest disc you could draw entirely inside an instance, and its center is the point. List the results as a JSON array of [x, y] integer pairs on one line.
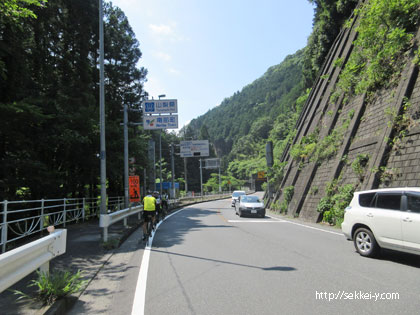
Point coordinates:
[[359, 165], [287, 195], [385, 34], [111, 244], [336, 199], [54, 285]]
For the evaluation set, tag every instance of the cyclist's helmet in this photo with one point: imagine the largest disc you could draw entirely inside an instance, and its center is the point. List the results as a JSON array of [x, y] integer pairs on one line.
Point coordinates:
[[149, 192]]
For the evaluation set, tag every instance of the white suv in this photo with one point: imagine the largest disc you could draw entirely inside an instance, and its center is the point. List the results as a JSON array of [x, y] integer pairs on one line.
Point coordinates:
[[384, 218]]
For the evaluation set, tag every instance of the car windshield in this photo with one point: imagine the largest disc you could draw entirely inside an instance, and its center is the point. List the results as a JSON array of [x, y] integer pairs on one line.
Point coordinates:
[[250, 199], [238, 193]]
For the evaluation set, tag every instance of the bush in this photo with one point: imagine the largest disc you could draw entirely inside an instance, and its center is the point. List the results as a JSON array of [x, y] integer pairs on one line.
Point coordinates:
[[55, 285]]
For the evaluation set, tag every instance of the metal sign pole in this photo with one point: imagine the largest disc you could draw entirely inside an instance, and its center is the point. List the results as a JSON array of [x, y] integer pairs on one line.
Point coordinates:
[[201, 179], [220, 187], [160, 159], [173, 170]]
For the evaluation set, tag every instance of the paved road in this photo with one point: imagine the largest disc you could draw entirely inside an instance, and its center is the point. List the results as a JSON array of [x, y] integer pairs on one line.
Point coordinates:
[[207, 260]]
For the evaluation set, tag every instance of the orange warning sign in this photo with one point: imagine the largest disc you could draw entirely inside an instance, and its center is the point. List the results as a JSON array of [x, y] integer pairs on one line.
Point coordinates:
[[134, 183]]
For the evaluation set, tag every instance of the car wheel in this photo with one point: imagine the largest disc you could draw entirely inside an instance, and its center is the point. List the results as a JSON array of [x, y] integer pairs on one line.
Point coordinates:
[[365, 243], [240, 214]]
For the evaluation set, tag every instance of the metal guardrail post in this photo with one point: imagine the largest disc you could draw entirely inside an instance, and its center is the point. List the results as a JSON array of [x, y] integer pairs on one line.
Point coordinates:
[[105, 234], [4, 229], [64, 213], [41, 219]]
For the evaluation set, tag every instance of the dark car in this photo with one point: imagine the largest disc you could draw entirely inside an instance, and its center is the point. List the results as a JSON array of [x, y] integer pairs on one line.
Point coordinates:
[[249, 205]]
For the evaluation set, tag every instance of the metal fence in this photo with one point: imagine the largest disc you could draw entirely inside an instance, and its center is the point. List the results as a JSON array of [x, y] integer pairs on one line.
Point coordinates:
[[21, 219]]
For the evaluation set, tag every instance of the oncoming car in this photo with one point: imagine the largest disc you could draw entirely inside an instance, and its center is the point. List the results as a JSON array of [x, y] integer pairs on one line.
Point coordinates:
[[235, 196], [250, 205], [384, 218]]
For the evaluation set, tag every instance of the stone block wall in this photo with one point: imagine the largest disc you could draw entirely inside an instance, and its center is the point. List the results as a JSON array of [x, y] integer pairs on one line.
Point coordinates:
[[371, 127]]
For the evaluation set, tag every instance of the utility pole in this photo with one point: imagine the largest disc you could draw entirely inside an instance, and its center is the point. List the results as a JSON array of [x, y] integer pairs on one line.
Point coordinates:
[[126, 200], [102, 155]]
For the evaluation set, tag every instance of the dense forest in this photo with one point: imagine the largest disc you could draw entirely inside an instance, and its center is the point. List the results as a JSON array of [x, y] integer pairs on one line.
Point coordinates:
[[49, 132]]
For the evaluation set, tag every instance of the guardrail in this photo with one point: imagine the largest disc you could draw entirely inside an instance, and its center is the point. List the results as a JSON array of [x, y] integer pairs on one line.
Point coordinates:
[[106, 220], [20, 262], [20, 219]]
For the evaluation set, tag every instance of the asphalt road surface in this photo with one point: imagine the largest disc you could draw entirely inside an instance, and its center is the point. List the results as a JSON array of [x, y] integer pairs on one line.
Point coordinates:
[[206, 260]]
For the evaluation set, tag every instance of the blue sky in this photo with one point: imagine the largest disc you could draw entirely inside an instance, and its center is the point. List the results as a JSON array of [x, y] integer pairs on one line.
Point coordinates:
[[202, 51]]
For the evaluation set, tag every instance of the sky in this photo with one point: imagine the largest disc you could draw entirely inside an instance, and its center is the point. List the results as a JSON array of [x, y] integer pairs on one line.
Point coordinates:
[[203, 51]]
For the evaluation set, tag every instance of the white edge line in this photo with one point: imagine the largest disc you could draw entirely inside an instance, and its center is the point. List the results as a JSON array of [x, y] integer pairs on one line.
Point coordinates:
[[307, 226], [254, 221], [140, 294]]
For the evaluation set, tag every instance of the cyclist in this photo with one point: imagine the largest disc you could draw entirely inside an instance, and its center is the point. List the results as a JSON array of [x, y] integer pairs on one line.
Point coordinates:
[[158, 207], [165, 201], [149, 211]]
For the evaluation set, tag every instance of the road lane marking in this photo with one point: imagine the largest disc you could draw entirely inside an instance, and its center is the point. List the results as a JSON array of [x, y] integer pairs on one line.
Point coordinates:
[[254, 221], [140, 294], [307, 226]]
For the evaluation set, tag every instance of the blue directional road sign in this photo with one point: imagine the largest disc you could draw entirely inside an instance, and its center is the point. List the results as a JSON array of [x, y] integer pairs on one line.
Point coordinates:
[[160, 106]]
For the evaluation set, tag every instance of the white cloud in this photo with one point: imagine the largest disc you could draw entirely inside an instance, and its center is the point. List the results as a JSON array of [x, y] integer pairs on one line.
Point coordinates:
[[161, 29], [163, 56], [165, 32], [154, 86], [174, 71]]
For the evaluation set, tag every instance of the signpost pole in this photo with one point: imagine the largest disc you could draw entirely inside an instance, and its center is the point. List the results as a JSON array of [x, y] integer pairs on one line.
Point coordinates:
[[220, 186], [160, 159], [201, 179], [173, 171], [185, 175]]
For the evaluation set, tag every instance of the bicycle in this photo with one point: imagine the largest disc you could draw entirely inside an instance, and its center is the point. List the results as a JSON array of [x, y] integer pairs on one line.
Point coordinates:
[[149, 228]]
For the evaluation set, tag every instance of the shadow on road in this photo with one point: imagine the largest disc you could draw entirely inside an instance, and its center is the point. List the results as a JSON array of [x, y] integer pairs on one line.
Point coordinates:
[[276, 268], [173, 230]]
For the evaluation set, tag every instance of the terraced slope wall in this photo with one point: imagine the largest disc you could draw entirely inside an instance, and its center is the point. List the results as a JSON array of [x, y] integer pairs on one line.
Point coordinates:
[[368, 128]]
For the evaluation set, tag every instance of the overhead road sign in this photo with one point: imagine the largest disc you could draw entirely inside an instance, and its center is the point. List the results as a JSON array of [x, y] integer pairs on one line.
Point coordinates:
[[160, 106], [160, 122], [212, 163], [194, 148]]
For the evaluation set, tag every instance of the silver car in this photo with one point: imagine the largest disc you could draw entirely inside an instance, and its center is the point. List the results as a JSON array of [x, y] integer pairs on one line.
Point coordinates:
[[235, 196], [250, 205]]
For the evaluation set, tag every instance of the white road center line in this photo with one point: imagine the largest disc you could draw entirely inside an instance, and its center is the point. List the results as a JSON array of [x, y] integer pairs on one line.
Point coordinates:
[[307, 226]]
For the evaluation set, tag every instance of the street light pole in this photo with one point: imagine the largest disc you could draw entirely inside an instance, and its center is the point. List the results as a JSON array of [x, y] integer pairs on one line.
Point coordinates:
[[102, 109]]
